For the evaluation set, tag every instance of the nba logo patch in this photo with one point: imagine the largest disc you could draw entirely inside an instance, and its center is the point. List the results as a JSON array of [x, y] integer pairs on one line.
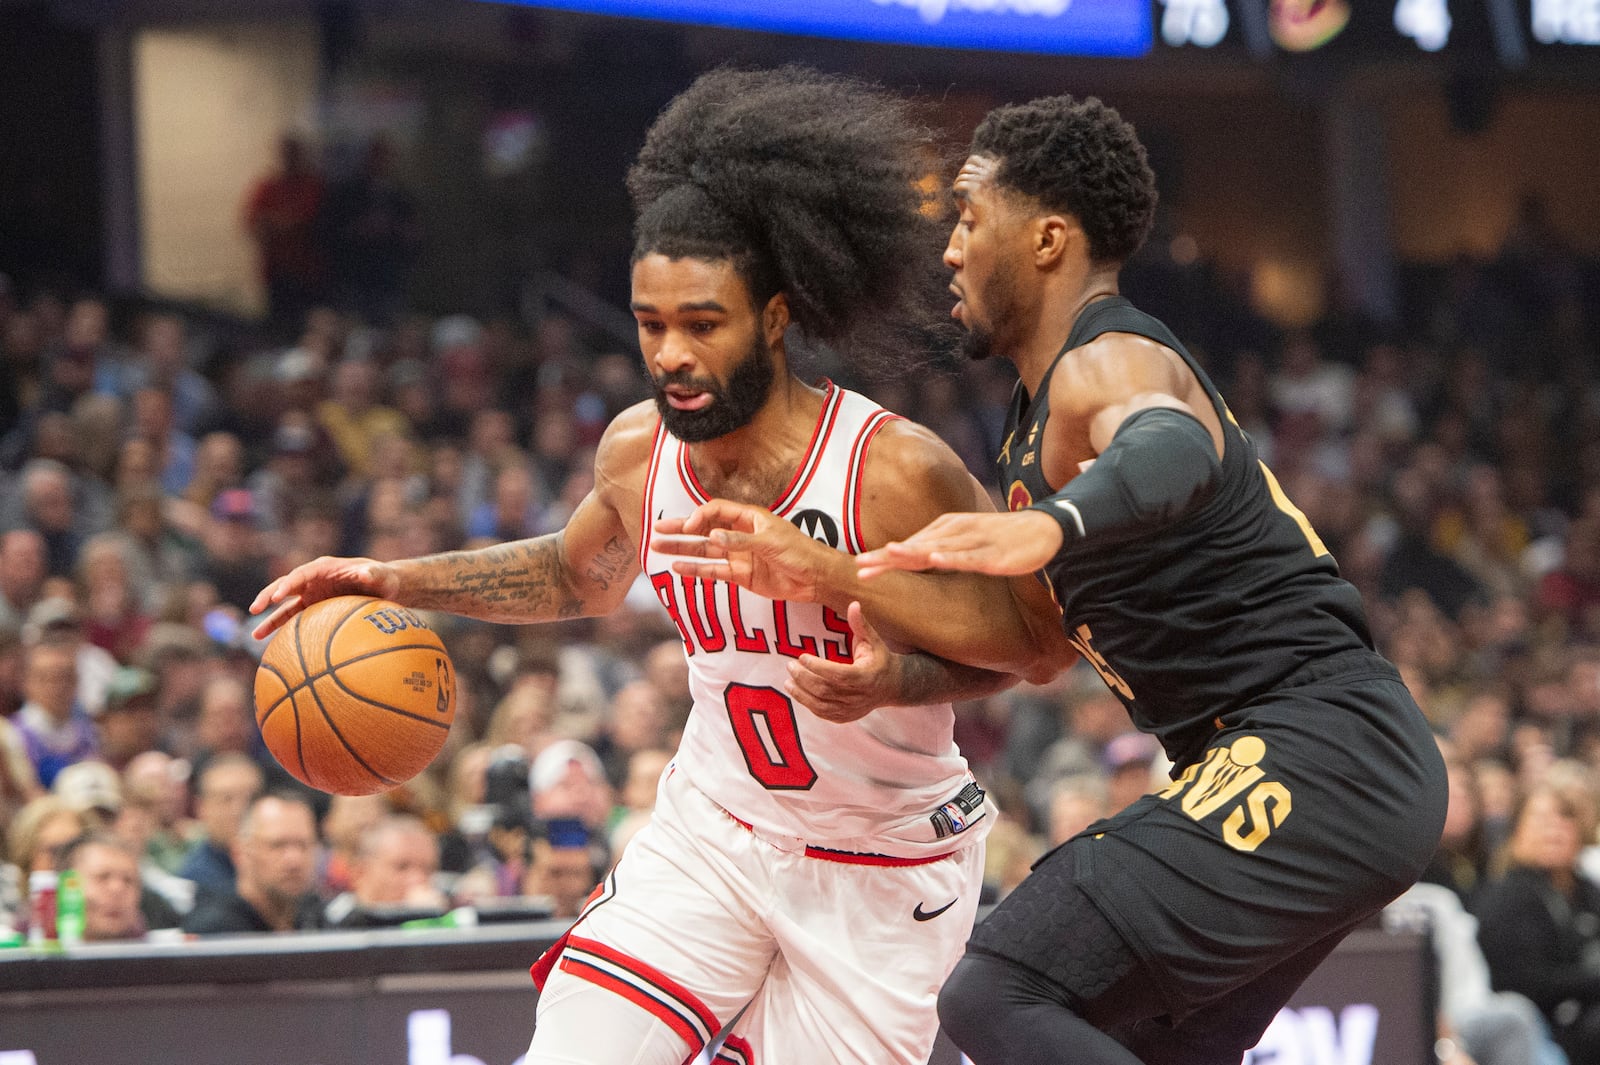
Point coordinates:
[[957, 815]]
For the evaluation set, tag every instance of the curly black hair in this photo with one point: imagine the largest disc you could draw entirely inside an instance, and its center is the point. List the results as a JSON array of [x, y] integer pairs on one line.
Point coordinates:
[[809, 182], [1078, 157]]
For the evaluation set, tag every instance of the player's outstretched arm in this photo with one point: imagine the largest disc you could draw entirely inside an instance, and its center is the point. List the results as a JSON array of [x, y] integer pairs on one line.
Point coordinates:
[[876, 676], [583, 570], [911, 477]]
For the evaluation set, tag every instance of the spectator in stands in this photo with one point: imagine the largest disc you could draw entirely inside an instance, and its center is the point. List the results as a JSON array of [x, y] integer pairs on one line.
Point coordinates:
[[636, 799], [1539, 922], [19, 781], [568, 782], [158, 785], [1490, 1027], [115, 616], [163, 362], [1077, 802], [1462, 860], [223, 792], [275, 853], [22, 573], [40, 830], [372, 232], [1413, 561], [174, 449], [47, 501], [1572, 591], [56, 730], [396, 861], [282, 486], [113, 889], [565, 865], [280, 213], [218, 466], [635, 721], [234, 558], [93, 790], [353, 417], [347, 820]]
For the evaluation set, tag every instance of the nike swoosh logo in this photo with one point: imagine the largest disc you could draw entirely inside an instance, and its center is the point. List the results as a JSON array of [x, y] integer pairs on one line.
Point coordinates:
[[919, 914]]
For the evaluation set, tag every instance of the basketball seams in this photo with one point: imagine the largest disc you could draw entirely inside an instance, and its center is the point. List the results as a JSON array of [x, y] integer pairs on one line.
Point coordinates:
[[288, 692], [333, 631], [402, 711], [299, 736], [333, 726]]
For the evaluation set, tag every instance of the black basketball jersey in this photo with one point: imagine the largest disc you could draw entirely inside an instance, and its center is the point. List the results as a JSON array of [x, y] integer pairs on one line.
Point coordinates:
[[1187, 623]]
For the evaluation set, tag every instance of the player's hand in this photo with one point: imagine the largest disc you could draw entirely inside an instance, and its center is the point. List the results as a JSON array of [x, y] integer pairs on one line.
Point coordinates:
[[1002, 545], [747, 545], [842, 692], [318, 579]]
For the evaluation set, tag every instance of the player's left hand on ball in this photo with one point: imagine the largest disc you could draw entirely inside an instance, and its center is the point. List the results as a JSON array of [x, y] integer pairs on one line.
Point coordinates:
[[1002, 545], [842, 692]]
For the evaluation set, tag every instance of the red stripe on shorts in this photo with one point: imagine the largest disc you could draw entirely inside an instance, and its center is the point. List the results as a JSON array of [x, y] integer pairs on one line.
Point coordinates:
[[827, 854]]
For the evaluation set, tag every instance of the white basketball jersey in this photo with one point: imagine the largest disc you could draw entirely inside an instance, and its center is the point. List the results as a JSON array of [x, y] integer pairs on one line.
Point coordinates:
[[893, 782]]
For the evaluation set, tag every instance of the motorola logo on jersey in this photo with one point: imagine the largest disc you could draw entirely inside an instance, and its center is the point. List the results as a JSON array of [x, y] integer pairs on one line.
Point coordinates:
[[818, 526]]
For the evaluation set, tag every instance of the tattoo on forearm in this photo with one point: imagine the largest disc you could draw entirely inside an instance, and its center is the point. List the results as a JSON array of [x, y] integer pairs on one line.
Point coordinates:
[[521, 581]]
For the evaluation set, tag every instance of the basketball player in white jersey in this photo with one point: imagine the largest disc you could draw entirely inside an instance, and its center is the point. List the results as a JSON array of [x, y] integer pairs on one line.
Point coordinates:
[[805, 884]]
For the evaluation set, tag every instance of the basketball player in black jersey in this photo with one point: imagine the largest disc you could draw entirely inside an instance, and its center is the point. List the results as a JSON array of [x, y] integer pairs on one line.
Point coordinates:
[[1307, 788]]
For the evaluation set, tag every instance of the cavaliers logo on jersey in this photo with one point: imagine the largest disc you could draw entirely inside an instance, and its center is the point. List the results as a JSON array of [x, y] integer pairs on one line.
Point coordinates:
[[1019, 497], [818, 526]]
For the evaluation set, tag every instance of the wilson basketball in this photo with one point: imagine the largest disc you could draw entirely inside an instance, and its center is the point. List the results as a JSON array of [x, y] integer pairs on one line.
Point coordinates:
[[355, 695]]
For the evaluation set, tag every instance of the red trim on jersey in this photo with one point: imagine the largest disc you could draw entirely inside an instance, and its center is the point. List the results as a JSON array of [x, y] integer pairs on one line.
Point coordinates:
[[735, 1045], [803, 473], [828, 854], [691, 483], [650, 989], [832, 404], [852, 485], [649, 495]]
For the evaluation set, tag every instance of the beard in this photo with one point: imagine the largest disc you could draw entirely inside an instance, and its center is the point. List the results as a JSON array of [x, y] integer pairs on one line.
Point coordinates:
[[732, 405], [1001, 299]]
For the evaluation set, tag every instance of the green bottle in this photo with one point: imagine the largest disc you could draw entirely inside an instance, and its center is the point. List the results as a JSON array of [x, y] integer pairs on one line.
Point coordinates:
[[69, 909]]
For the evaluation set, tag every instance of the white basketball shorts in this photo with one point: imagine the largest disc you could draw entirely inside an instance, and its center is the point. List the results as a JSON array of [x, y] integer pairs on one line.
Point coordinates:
[[703, 924]]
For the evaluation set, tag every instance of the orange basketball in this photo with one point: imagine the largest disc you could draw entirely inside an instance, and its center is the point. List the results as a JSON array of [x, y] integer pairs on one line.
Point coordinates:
[[355, 695]]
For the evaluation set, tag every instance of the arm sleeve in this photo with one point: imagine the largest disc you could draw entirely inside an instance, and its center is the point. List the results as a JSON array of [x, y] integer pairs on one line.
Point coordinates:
[[1159, 466]]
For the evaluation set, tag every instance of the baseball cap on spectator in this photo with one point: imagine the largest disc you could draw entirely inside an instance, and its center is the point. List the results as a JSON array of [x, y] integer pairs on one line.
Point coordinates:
[[130, 688], [56, 614], [552, 763], [173, 641], [90, 786], [234, 504], [1131, 748]]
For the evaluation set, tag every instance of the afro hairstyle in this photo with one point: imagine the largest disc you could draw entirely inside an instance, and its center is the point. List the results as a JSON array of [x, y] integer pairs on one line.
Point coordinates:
[[1078, 157], [813, 185]]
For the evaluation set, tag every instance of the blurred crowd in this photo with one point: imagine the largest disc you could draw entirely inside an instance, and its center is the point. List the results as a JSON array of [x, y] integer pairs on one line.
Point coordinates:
[[158, 466]]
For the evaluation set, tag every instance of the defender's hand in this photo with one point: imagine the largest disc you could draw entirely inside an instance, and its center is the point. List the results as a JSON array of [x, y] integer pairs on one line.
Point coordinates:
[[747, 545], [842, 692], [318, 579], [1002, 545]]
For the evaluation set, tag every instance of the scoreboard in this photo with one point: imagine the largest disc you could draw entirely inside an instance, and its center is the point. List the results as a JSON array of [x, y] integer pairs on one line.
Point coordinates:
[[1504, 34], [1507, 35]]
